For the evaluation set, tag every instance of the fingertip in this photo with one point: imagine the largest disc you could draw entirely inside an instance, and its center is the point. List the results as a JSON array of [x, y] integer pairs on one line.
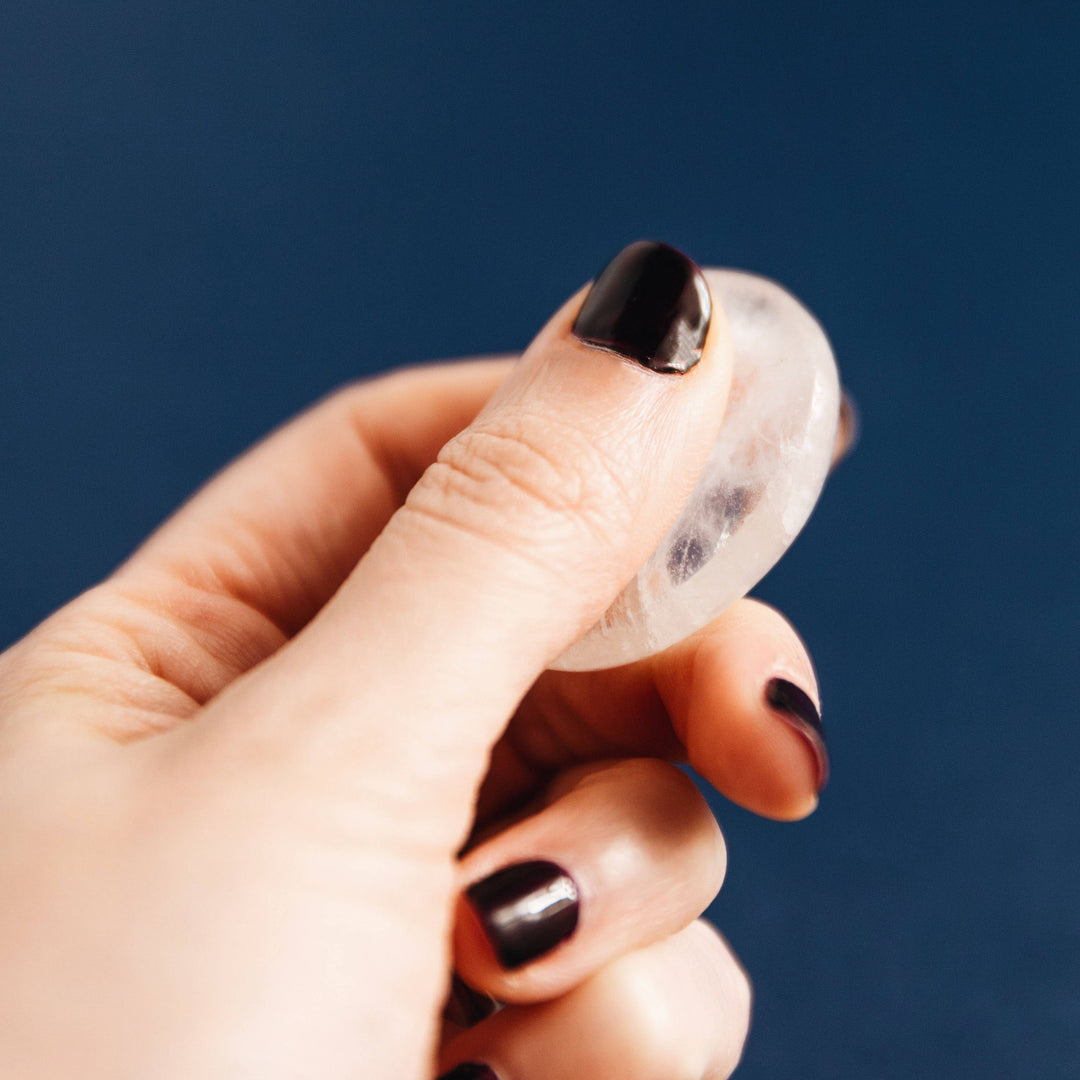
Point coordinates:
[[797, 709], [735, 693]]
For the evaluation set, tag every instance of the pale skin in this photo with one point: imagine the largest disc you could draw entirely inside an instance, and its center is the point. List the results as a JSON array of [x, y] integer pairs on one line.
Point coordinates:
[[237, 778]]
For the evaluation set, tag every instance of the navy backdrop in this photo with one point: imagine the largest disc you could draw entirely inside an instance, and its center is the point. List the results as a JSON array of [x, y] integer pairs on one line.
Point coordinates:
[[213, 212]]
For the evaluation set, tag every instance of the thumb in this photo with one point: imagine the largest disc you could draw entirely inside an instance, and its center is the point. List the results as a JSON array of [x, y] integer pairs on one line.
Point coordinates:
[[515, 541]]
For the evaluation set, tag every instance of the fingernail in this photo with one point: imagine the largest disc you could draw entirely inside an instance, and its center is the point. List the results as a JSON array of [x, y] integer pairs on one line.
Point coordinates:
[[465, 1006], [651, 304], [469, 1070], [848, 428], [797, 708], [525, 910]]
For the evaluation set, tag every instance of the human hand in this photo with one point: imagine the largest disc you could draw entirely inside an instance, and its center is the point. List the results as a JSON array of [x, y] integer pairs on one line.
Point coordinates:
[[235, 777]]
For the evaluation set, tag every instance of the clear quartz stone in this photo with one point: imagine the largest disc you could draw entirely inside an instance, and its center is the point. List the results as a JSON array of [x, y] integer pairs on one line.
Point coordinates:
[[757, 490]]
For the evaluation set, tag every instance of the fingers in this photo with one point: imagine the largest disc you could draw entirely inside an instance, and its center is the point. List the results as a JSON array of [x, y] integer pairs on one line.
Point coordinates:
[[517, 538], [743, 699], [282, 526], [252, 556], [720, 699], [623, 855], [676, 1010]]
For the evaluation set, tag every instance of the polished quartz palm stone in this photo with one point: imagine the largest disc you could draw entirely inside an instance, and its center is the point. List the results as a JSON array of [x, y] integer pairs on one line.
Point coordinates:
[[757, 490]]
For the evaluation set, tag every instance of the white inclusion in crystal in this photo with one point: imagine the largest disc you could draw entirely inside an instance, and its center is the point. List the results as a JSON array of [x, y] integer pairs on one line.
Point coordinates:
[[758, 487]]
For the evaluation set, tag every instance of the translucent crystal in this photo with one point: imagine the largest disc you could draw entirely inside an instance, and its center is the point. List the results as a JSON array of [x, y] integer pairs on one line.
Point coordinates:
[[757, 490]]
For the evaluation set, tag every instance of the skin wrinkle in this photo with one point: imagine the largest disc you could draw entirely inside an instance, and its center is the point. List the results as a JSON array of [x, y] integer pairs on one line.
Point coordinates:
[[551, 737], [566, 700], [561, 491], [250, 556], [405, 462], [493, 466], [538, 742], [245, 541], [592, 447], [140, 656], [251, 566], [110, 696], [446, 521], [189, 628], [548, 732], [536, 586], [677, 1008], [225, 571], [400, 469], [242, 568], [76, 658]]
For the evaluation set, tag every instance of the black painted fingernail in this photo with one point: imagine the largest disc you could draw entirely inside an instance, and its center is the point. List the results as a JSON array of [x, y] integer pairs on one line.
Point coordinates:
[[796, 707], [847, 428], [469, 1070], [465, 1006], [651, 304], [525, 910]]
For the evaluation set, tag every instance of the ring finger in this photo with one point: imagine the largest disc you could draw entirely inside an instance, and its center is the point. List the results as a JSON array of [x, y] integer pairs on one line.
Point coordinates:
[[622, 854]]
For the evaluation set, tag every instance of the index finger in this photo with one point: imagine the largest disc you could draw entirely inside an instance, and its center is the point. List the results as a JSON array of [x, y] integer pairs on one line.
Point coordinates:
[[738, 700]]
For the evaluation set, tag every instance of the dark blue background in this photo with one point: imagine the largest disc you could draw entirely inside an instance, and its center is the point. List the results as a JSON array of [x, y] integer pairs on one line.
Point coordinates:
[[213, 212]]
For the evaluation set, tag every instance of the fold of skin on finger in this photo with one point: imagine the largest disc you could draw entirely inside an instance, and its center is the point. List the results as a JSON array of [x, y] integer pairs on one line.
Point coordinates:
[[250, 558], [283, 525], [675, 1010], [642, 847], [701, 700]]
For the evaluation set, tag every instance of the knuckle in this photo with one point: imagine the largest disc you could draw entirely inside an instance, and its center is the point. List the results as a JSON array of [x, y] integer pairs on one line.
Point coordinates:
[[655, 780], [671, 812], [687, 1001], [524, 475], [351, 399], [356, 391], [358, 400], [659, 1035], [733, 997]]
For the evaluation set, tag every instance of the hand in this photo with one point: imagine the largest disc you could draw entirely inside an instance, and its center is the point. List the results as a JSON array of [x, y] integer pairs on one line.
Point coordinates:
[[235, 778]]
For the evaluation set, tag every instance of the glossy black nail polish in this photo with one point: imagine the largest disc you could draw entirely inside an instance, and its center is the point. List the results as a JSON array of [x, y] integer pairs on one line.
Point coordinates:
[[651, 304], [469, 1070], [525, 910], [797, 708], [466, 1007]]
